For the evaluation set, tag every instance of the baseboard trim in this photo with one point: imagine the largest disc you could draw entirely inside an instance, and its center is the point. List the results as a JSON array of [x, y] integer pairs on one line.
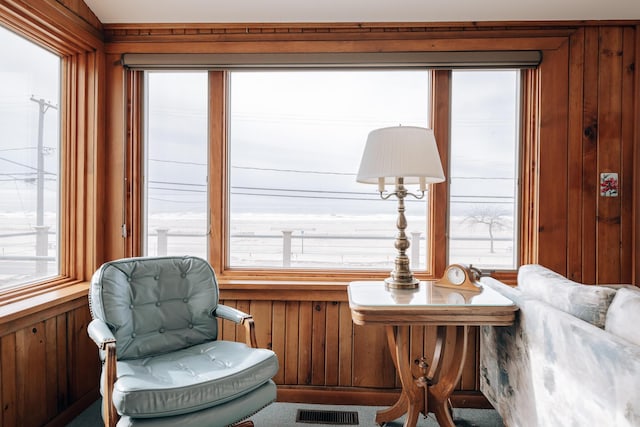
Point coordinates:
[[368, 397], [74, 409]]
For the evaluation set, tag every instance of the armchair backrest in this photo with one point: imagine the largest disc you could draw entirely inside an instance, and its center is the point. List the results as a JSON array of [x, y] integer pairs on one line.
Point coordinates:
[[155, 305]]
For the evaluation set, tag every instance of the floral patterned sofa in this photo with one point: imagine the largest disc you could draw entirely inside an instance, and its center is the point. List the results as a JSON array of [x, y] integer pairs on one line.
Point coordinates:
[[572, 357]]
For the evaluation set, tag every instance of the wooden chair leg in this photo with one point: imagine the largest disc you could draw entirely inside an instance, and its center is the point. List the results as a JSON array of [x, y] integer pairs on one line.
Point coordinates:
[[247, 423], [109, 412]]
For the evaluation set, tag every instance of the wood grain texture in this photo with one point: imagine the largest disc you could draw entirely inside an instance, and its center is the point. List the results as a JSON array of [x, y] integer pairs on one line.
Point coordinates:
[[590, 155], [552, 192]]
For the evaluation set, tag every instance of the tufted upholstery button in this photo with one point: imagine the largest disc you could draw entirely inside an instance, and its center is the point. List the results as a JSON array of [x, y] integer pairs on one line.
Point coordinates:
[[156, 277], [161, 330], [129, 279], [158, 304], [131, 306], [190, 325], [185, 300], [133, 335], [183, 275]]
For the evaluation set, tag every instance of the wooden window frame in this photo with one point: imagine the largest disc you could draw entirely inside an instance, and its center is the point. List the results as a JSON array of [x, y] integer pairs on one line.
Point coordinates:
[[79, 46], [218, 184]]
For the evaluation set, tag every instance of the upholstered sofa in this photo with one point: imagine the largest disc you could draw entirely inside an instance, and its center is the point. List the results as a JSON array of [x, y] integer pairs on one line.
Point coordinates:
[[572, 357]]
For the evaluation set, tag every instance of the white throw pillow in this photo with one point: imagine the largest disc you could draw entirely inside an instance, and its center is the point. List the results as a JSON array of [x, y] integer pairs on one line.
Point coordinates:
[[623, 316], [587, 302]]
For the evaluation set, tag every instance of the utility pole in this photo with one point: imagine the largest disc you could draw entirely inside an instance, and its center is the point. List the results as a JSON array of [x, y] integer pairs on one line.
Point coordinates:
[[41, 231]]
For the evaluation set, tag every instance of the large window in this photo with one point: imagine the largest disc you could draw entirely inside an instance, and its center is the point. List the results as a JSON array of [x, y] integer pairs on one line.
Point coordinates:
[[483, 173], [295, 143], [176, 164], [291, 148], [29, 161]]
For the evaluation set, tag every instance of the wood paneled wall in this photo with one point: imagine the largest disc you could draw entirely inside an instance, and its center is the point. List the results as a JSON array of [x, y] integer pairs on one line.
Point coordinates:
[[335, 361], [588, 126], [48, 367]]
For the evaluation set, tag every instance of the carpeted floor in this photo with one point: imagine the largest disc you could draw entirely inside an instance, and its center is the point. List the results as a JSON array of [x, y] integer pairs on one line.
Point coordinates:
[[284, 415]]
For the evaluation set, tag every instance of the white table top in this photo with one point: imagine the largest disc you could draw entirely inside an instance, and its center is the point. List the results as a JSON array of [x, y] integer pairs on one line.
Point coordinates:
[[373, 302]]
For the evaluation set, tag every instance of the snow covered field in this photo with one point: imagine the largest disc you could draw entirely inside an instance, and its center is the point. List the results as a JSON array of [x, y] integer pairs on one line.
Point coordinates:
[[319, 241]]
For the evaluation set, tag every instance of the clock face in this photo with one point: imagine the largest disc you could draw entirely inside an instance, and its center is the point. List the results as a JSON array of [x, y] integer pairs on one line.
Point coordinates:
[[455, 275]]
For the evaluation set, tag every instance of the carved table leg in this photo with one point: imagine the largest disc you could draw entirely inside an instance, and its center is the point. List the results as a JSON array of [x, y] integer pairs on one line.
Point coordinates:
[[442, 387], [412, 399], [431, 392]]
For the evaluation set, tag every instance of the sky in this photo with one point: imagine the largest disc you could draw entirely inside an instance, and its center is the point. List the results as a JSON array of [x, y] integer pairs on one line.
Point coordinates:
[[27, 71]]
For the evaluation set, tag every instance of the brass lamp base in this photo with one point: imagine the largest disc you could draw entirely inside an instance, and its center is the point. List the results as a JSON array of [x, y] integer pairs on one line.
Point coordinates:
[[393, 283], [401, 277]]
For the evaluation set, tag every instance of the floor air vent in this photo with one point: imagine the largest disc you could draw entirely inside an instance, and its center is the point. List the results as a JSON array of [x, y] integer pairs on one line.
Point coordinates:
[[313, 416]]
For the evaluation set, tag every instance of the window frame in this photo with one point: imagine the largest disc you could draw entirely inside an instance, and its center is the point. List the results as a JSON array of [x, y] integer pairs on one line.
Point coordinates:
[[219, 208], [245, 279], [79, 48], [438, 197]]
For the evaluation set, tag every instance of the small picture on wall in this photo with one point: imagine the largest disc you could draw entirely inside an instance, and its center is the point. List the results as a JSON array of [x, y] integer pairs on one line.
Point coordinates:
[[609, 184]]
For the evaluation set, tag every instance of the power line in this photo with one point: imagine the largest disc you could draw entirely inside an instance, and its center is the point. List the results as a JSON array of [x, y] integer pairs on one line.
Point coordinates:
[[177, 162], [294, 171], [178, 183], [25, 166], [368, 193]]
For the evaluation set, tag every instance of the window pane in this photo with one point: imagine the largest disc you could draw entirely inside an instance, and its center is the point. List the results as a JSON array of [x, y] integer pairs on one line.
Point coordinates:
[[295, 143], [29, 159], [176, 164], [485, 136]]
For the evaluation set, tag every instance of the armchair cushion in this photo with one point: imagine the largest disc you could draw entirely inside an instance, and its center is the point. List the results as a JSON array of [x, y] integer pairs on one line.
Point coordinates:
[[156, 305], [225, 414], [190, 379]]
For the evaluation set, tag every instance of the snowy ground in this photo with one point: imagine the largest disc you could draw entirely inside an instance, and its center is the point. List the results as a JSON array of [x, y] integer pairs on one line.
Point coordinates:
[[323, 242]]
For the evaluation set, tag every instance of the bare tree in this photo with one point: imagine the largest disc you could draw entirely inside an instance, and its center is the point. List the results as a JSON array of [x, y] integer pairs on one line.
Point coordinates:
[[494, 217]]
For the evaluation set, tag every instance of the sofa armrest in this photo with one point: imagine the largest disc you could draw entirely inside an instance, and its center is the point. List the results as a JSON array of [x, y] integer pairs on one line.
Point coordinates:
[[100, 333], [514, 294], [241, 318]]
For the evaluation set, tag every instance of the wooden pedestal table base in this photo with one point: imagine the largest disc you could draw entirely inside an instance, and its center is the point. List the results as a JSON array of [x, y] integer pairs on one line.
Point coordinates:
[[452, 313], [431, 391]]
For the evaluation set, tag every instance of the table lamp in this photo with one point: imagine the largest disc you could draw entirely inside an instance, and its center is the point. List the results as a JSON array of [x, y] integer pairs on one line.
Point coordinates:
[[398, 156]]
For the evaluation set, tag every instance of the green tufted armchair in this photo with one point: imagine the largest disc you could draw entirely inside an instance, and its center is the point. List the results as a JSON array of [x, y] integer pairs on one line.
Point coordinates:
[[155, 324]]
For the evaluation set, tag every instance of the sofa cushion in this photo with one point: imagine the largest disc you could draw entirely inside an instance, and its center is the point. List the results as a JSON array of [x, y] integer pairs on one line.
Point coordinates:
[[587, 302], [623, 316]]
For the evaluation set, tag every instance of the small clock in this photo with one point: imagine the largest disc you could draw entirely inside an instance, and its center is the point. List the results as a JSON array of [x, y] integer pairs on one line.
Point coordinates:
[[461, 276]]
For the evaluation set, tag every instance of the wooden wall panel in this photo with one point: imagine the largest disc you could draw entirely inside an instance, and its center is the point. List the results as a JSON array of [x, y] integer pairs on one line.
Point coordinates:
[[8, 373], [345, 346], [319, 346], [589, 164], [331, 343], [553, 156], [575, 151], [609, 150], [292, 332], [46, 368], [278, 340], [629, 122]]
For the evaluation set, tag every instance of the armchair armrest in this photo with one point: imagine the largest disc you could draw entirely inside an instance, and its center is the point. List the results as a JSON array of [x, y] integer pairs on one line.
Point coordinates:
[[240, 318], [100, 333]]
